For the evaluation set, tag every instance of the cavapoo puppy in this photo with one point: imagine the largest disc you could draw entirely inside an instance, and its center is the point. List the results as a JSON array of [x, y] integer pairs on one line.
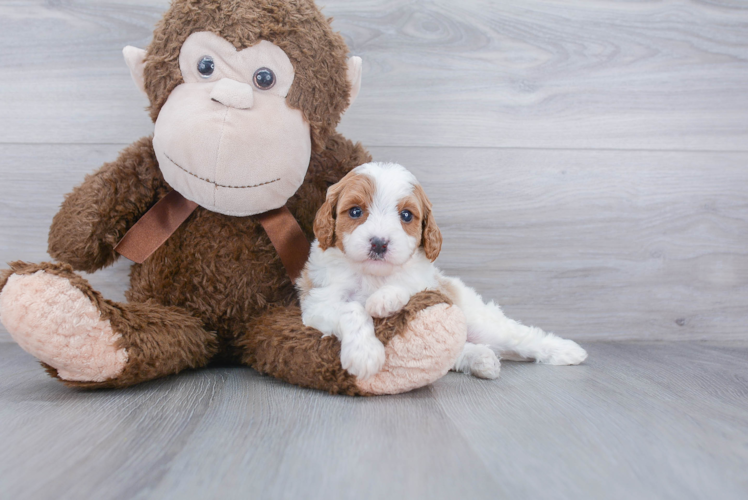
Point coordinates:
[[375, 247]]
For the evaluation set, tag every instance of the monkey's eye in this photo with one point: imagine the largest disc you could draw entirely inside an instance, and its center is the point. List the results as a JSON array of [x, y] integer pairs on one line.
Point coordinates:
[[355, 212], [406, 216], [264, 78], [206, 66]]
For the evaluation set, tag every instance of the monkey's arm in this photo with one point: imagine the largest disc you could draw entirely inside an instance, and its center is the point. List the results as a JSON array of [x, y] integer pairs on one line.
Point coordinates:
[[325, 169], [98, 213]]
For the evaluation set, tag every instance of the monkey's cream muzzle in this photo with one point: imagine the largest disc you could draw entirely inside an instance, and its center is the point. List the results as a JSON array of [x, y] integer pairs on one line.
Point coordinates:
[[225, 143], [235, 161]]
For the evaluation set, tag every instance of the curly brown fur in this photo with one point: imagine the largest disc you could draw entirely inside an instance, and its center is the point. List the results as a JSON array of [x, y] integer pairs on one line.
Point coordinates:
[[318, 54], [279, 344], [159, 340], [98, 213], [231, 272]]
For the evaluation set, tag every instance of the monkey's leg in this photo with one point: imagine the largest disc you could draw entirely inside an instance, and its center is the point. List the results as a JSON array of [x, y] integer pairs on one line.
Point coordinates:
[[87, 341], [422, 342]]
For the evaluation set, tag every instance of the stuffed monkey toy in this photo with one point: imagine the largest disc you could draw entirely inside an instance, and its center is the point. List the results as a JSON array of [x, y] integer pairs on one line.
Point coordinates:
[[216, 209]]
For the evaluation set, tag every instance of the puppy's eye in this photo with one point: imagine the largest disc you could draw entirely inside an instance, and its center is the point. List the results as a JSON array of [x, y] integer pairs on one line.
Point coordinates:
[[406, 216], [264, 78], [206, 66], [355, 212]]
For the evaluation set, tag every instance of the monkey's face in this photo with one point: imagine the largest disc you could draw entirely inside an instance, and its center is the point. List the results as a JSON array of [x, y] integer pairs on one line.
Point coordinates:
[[225, 138]]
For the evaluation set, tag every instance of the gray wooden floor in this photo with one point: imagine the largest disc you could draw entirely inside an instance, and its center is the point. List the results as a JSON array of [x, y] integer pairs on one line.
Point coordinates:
[[588, 162], [638, 420]]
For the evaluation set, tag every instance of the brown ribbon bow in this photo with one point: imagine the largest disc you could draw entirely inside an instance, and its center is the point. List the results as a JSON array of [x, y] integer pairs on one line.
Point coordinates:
[[160, 222]]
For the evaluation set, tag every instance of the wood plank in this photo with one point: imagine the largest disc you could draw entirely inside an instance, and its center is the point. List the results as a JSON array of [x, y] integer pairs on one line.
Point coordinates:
[[540, 74], [63, 75], [641, 420], [224, 433], [588, 244], [550, 74], [665, 420]]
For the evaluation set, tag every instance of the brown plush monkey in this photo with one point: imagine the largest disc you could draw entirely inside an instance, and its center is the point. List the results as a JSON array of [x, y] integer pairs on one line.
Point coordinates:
[[245, 96]]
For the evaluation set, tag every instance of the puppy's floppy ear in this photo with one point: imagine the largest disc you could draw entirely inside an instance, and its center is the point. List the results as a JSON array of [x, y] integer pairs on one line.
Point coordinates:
[[431, 238], [324, 221]]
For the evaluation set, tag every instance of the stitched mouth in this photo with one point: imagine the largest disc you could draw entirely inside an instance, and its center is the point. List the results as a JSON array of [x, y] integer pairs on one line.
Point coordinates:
[[215, 183]]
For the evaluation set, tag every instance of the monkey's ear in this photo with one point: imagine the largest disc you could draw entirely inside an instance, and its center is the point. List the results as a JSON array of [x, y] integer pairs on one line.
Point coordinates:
[[355, 67], [135, 59]]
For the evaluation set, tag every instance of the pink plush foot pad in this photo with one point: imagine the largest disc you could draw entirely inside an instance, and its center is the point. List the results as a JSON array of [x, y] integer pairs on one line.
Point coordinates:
[[423, 353], [54, 321]]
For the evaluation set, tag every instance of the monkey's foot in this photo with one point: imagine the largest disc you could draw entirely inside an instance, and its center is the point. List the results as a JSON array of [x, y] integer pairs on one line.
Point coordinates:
[[422, 353], [55, 321]]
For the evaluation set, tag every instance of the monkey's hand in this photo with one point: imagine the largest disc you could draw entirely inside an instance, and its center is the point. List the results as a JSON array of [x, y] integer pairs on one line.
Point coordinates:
[[98, 213]]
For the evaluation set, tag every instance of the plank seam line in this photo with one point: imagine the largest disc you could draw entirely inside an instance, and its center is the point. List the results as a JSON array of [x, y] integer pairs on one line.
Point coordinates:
[[395, 146]]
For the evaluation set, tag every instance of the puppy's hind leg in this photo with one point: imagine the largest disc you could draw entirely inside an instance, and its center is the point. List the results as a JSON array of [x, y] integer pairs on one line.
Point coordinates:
[[521, 342], [512, 340], [479, 361]]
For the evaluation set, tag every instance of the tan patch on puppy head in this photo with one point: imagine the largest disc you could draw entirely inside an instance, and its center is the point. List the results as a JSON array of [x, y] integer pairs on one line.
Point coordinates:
[[353, 190], [413, 204], [358, 191], [431, 239]]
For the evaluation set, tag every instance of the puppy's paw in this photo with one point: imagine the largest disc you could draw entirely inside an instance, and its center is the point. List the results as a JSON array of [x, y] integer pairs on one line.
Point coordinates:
[[485, 364], [362, 357], [386, 301], [478, 360], [563, 352]]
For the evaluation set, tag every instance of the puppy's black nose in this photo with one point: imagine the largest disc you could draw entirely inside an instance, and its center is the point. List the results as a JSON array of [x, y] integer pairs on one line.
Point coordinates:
[[378, 246]]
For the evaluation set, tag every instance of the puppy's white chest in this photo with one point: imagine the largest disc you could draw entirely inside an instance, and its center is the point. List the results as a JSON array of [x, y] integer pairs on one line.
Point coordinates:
[[366, 287]]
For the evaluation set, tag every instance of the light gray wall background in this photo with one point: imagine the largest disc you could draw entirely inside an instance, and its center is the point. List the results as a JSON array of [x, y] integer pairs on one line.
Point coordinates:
[[588, 161]]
